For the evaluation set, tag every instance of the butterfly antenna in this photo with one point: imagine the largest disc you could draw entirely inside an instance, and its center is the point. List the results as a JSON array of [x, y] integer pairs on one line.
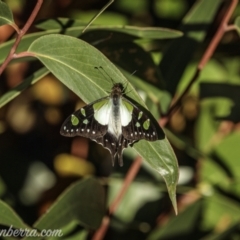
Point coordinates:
[[133, 72], [128, 81], [101, 70]]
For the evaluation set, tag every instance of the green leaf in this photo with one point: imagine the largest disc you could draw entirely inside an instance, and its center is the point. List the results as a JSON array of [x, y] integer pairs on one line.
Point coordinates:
[[181, 51], [128, 57], [14, 92], [229, 233], [134, 199], [161, 98], [184, 223], [72, 61], [6, 16], [141, 32], [8, 217], [203, 12], [23, 45], [57, 26], [83, 202], [218, 206], [161, 157], [237, 24]]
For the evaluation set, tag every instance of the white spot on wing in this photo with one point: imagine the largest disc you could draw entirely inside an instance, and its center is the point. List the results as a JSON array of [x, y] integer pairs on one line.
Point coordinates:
[[88, 130], [154, 133], [82, 129], [93, 132]]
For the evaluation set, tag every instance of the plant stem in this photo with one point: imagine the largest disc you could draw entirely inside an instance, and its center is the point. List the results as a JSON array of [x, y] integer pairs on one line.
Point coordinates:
[[131, 174], [223, 27], [21, 33]]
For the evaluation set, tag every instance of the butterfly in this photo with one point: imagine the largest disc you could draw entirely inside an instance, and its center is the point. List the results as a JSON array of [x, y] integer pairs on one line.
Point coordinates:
[[115, 121]]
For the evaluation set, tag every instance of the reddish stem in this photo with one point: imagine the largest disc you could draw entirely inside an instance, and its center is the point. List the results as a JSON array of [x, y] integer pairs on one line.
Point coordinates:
[[21, 33], [23, 54], [131, 174], [223, 27]]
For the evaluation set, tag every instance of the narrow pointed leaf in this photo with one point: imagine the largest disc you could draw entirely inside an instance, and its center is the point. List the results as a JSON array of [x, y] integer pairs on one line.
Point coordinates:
[[180, 52], [140, 32], [83, 202], [184, 223], [237, 24], [14, 92], [8, 217], [161, 157]]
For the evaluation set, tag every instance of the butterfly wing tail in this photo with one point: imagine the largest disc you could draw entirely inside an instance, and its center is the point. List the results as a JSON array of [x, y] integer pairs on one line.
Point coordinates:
[[115, 146], [123, 143], [118, 158]]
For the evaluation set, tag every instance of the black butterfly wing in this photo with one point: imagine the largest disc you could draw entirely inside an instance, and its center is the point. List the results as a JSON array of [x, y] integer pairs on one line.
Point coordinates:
[[142, 126], [83, 122]]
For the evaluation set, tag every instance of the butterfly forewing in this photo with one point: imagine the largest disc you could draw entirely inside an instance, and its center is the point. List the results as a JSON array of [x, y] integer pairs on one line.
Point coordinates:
[[142, 125], [84, 122]]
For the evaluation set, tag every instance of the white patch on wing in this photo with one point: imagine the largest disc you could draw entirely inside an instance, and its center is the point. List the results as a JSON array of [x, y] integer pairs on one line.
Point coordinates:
[[126, 116], [102, 114]]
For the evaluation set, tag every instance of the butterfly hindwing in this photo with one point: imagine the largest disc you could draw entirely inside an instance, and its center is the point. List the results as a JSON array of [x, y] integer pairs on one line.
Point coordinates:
[[115, 146], [142, 125], [84, 122]]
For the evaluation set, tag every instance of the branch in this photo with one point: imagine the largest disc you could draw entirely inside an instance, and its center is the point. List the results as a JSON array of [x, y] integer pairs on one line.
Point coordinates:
[[223, 27], [100, 233], [21, 33]]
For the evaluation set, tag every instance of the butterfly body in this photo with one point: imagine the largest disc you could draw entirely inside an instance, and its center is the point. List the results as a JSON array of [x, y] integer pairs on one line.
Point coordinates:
[[115, 122]]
